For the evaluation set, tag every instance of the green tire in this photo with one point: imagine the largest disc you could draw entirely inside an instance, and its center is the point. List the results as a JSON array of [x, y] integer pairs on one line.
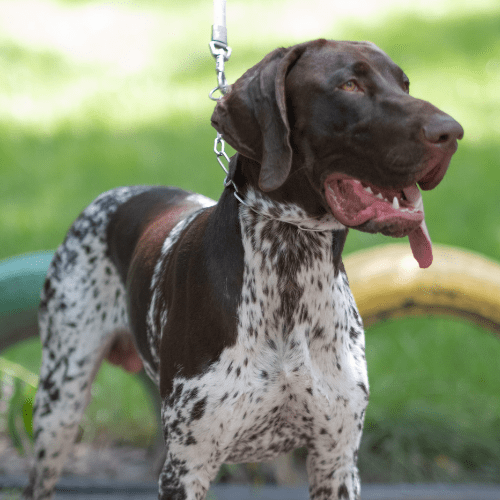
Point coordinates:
[[21, 280]]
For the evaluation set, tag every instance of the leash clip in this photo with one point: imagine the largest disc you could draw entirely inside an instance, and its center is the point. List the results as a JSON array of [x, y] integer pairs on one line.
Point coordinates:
[[221, 52], [219, 48]]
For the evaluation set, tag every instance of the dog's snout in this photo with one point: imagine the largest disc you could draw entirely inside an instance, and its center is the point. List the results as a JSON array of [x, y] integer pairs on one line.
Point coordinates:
[[442, 130]]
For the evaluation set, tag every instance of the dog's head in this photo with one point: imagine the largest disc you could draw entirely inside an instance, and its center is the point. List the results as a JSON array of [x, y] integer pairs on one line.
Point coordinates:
[[332, 127]]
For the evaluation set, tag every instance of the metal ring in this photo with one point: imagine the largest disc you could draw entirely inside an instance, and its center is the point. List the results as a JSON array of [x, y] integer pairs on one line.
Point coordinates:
[[211, 94]]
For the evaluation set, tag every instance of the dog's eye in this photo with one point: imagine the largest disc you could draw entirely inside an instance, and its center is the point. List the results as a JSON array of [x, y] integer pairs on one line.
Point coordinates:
[[406, 84], [350, 86]]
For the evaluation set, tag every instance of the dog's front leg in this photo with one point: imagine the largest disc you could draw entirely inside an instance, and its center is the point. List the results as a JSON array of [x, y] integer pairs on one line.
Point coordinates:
[[179, 480], [332, 475], [193, 455], [187, 472]]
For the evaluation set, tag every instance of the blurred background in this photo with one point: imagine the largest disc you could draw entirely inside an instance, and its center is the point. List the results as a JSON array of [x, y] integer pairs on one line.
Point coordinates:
[[98, 94]]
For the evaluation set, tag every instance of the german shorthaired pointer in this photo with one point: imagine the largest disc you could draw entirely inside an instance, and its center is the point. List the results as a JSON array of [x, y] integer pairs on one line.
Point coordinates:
[[240, 311]]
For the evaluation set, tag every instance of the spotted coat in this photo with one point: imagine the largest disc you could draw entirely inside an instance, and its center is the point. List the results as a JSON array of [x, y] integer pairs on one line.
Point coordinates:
[[240, 311], [295, 374]]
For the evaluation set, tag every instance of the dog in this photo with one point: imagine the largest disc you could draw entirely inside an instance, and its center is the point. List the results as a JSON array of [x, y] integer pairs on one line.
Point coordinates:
[[240, 311]]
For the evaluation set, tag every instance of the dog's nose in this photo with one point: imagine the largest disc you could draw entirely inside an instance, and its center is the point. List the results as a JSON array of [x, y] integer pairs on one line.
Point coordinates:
[[442, 129]]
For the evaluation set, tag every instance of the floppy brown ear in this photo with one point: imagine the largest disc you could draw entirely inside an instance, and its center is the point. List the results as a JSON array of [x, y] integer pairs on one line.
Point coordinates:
[[252, 117]]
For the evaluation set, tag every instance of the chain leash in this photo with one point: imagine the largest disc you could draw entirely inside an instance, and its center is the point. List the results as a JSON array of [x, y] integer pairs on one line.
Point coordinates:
[[221, 52]]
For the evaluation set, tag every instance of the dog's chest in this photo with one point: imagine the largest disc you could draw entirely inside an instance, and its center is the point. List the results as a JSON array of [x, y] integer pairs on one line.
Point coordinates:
[[299, 355], [295, 320]]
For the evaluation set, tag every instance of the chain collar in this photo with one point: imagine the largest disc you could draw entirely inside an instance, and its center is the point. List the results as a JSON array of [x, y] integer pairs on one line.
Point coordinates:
[[290, 213]]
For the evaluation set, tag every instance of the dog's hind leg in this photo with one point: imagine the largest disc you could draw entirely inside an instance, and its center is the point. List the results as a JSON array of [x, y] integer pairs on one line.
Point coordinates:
[[82, 309], [64, 391], [76, 336]]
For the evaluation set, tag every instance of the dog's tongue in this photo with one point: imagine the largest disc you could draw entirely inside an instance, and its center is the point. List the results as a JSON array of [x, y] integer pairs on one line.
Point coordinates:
[[420, 241], [421, 246]]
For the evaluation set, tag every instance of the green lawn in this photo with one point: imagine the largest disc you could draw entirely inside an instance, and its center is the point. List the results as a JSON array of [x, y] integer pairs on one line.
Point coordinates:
[[73, 125]]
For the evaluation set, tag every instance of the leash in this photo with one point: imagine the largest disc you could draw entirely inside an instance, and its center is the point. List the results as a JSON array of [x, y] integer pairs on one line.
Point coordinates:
[[222, 52]]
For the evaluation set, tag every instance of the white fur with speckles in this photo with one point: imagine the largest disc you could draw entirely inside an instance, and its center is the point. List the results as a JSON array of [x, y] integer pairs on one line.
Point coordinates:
[[278, 388]]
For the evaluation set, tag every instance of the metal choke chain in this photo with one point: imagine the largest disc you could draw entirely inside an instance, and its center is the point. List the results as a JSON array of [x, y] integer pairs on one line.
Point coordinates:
[[222, 156]]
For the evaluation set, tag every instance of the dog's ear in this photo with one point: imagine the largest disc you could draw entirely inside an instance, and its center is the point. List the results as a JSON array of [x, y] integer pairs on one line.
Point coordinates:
[[252, 117]]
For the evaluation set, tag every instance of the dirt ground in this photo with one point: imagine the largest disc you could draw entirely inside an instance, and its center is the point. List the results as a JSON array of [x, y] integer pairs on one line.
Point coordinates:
[[119, 463], [130, 464]]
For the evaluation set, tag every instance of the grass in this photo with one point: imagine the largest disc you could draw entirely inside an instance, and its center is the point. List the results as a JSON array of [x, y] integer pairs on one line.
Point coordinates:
[[74, 123], [434, 412], [49, 180]]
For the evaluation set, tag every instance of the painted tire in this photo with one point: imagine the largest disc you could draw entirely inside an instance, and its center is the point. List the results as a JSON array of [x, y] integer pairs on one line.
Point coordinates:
[[21, 279], [387, 283]]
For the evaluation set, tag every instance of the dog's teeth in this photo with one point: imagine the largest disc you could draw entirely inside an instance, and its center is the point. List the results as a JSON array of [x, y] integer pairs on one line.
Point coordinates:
[[368, 190], [395, 203], [379, 196]]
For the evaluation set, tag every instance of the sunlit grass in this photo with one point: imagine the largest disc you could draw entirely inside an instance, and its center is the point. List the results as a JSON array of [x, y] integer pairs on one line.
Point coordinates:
[[128, 64]]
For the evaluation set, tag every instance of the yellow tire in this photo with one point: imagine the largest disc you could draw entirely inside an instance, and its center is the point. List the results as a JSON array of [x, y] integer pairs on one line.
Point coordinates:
[[387, 283]]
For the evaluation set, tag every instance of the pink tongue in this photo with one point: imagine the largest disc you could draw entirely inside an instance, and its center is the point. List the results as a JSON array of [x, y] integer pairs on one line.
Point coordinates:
[[420, 241], [421, 245]]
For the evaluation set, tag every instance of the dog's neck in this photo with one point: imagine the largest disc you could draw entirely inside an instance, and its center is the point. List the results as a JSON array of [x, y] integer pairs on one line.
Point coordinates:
[[259, 213], [288, 213], [277, 205], [288, 248]]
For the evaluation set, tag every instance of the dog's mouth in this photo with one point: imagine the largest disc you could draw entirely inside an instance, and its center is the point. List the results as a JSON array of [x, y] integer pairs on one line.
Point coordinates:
[[393, 212], [390, 211]]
